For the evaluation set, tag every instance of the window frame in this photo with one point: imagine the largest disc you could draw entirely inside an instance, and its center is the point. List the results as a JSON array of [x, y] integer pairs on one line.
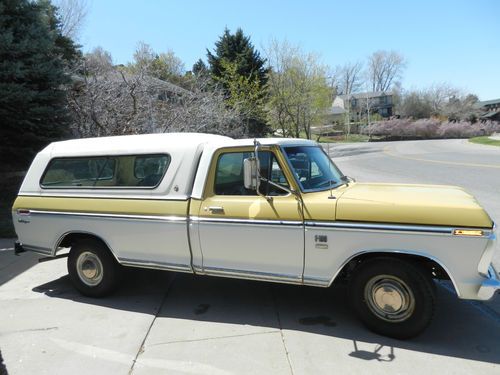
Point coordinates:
[[238, 150], [104, 156], [299, 184]]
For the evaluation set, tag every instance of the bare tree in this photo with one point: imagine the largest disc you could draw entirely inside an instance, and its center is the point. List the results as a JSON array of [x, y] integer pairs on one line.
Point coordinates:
[[349, 79], [72, 14], [298, 87], [111, 101], [98, 60], [438, 95], [385, 68]]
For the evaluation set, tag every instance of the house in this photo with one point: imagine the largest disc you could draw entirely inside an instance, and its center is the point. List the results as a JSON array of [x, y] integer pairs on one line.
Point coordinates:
[[490, 109], [359, 104]]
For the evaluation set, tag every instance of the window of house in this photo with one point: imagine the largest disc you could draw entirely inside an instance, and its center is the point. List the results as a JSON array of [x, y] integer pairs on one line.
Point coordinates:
[[229, 174], [123, 171]]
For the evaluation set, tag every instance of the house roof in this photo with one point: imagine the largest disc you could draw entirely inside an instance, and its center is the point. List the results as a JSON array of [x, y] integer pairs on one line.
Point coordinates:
[[364, 95], [487, 102]]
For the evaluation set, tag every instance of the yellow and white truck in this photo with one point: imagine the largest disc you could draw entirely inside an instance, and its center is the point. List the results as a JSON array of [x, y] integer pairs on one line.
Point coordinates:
[[266, 209]]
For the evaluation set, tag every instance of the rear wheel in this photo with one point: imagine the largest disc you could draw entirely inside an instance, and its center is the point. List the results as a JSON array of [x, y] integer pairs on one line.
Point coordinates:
[[92, 269], [392, 297]]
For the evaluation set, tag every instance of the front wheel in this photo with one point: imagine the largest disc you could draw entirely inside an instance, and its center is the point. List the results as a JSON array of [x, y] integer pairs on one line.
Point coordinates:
[[92, 269], [392, 297]]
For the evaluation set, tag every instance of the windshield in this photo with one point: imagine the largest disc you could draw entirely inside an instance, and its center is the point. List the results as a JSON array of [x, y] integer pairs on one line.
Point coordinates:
[[313, 168]]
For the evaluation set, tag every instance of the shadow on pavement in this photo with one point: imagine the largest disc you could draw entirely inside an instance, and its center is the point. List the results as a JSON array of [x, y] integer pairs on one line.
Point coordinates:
[[3, 368], [458, 330], [12, 265]]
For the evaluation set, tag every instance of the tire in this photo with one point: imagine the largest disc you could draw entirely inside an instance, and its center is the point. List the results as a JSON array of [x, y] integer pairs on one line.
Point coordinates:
[[392, 297], [92, 268]]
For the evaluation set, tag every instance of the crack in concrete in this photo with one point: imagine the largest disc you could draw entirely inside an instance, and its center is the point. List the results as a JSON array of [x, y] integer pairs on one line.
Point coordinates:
[[141, 347], [214, 338], [275, 303], [28, 330]]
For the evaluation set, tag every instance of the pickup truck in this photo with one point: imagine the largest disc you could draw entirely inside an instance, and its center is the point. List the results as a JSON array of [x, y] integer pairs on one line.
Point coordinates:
[[269, 209]]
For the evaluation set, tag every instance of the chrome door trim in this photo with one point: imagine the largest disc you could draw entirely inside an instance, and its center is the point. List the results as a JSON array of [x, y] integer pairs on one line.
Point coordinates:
[[164, 266], [253, 275], [204, 219], [38, 249], [380, 227]]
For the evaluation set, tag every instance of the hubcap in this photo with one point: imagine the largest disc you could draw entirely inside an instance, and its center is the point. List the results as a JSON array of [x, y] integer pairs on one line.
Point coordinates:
[[389, 298], [89, 268]]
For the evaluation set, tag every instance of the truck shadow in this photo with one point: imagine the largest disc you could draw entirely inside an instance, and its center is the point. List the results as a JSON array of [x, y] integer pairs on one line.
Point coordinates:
[[458, 330], [12, 265]]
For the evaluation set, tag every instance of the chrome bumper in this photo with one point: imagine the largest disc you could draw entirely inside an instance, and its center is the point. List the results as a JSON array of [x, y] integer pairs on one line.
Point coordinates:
[[489, 286]]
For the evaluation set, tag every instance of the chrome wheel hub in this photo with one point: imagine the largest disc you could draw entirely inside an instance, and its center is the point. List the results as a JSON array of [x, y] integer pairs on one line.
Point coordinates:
[[389, 298], [89, 268]]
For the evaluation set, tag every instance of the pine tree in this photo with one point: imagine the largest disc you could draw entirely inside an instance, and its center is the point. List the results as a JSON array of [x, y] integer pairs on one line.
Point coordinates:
[[237, 48], [33, 61], [236, 60]]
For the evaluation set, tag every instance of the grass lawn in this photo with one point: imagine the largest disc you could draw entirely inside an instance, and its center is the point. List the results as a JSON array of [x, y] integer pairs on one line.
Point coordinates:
[[485, 140]]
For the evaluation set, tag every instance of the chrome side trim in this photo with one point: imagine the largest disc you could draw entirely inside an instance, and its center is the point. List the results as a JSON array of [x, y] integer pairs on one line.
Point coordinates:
[[253, 275], [113, 216], [376, 226], [245, 221], [95, 195], [316, 281], [405, 252], [155, 265], [37, 249]]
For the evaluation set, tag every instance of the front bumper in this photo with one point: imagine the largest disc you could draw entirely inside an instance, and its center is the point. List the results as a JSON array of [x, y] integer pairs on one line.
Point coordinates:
[[489, 286]]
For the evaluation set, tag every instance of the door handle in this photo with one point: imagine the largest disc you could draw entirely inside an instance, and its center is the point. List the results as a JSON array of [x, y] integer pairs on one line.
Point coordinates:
[[215, 209]]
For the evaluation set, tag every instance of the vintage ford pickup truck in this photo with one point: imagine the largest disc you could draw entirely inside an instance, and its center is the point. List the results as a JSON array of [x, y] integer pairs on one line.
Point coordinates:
[[269, 209]]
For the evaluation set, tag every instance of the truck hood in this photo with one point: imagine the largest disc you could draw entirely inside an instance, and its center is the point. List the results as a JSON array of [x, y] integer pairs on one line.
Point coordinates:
[[411, 204]]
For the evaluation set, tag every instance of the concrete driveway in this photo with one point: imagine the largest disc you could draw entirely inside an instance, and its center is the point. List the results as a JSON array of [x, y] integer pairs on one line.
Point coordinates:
[[183, 324]]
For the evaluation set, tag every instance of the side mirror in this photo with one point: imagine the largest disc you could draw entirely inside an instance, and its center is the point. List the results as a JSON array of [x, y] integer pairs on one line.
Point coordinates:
[[251, 178]]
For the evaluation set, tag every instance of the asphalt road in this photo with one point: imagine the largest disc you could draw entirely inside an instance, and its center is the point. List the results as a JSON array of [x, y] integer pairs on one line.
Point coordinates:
[[182, 324]]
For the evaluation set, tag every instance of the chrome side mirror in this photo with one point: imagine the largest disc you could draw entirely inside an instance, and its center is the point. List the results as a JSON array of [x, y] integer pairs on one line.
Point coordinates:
[[251, 178]]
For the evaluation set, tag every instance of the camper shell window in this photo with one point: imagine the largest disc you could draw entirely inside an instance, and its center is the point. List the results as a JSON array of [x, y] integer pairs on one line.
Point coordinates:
[[120, 171]]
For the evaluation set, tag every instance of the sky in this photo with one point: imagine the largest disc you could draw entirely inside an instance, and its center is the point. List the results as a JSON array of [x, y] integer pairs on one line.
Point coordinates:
[[457, 41]]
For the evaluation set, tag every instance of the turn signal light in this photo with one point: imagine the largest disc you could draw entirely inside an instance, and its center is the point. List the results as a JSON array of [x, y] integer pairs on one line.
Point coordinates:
[[468, 232]]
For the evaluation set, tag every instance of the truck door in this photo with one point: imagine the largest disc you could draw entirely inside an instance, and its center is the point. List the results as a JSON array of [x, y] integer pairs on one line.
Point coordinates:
[[243, 234]]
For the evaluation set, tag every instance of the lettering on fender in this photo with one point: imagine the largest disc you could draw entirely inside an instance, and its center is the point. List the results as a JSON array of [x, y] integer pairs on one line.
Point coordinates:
[[321, 241]]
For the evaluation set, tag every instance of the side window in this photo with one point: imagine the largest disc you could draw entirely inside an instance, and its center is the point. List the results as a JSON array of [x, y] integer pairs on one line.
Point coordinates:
[[75, 172], [229, 174], [106, 172], [150, 169]]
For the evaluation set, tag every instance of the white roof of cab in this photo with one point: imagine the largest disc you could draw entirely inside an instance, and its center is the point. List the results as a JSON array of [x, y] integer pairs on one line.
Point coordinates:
[[155, 143], [131, 144]]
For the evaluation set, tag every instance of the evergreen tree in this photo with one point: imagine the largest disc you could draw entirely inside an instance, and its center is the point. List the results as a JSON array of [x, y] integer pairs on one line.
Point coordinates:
[[199, 68], [236, 59], [34, 57]]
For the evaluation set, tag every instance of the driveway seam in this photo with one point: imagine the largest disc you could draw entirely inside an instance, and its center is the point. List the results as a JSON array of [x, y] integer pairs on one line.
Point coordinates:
[[214, 338], [141, 347], [275, 303]]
